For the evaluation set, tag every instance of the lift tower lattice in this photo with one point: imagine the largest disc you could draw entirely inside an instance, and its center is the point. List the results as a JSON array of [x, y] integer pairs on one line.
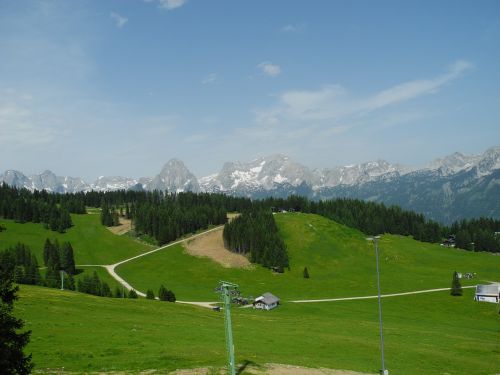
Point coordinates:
[[227, 290]]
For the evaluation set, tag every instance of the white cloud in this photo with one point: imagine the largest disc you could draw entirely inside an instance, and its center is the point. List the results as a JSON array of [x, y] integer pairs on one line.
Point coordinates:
[[172, 4], [211, 78], [19, 126], [120, 21], [293, 28], [332, 102], [413, 89], [269, 69]]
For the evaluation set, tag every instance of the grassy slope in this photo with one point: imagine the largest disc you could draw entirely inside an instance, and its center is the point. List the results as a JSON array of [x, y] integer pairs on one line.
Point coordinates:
[[425, 334], [92, 243], [340, 262], [430, 333]]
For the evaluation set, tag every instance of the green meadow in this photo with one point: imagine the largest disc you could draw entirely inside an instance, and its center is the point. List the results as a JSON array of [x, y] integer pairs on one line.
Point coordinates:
[[340, 261], [424, 334], [432, 333], [92, 243]]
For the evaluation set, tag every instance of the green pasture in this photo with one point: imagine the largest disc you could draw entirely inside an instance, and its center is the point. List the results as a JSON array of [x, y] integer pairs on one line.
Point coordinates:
[[341, 263], [92, 243], [425, 334]]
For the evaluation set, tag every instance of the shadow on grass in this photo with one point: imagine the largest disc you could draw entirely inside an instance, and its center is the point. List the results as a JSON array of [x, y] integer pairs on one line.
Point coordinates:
[[244, 366]]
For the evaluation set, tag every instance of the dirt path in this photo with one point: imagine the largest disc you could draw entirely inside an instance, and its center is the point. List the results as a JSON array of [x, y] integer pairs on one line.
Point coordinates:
[[211, 245], [270, 369], [124, 227], [211, 236], [111, 267], [376, 296]]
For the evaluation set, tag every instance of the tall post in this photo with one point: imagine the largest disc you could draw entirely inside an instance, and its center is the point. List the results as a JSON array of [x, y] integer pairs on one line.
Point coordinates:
[[225, 290], [384, 371], [62, 279], [229, 332]]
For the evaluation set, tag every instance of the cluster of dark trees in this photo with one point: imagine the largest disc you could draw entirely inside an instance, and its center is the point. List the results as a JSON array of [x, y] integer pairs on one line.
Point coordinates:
[[24, 206], [21, 265], [255, 232], [481, 234], [58, 258], [109, 216], [164, 294], [93, 285], [168, 217]]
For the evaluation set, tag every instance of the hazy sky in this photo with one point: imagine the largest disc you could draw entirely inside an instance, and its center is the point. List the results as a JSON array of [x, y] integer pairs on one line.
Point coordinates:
[[91, 88]]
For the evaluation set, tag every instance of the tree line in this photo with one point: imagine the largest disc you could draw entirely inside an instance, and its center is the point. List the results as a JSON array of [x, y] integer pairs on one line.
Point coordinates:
[[59, 258], [23, 206], [167, 216], [481, 234], [174, 216], [255, 232]]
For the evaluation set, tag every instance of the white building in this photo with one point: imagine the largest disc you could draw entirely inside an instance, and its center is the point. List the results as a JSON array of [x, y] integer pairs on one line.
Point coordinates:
[[487, 293], [267, 301]]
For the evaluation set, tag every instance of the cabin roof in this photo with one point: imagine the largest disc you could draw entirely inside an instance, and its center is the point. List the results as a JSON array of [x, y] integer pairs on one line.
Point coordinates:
[[267, 298]]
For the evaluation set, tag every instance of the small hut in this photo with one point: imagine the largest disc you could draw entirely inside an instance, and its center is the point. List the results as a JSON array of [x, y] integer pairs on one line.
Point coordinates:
[[487, 293], [267, 301]]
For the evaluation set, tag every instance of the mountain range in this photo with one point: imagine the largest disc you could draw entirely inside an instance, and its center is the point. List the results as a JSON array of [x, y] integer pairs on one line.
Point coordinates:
[[454, 187]]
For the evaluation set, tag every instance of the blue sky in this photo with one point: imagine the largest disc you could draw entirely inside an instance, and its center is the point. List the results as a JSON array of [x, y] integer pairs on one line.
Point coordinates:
[[91, 88]]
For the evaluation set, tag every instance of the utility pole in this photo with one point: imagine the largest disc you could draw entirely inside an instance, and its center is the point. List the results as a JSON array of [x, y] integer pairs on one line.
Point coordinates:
[[226, 290], [61, 272], [384, 371]]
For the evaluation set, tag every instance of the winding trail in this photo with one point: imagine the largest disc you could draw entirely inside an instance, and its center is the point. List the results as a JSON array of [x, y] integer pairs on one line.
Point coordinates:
[[376, 296], [209, 304], [111, 267]]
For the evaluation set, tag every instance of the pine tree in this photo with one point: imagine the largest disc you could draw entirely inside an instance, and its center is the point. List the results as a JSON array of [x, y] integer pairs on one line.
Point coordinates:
[[80, 286], [119, 293], [163, 293], [95, 285], [12, 359], [132, 294], [306, 273], [456, 287], [69, 282], [67, 258], [170, 296], [47, 250], [150, 294], [52, 276], [105, 290]]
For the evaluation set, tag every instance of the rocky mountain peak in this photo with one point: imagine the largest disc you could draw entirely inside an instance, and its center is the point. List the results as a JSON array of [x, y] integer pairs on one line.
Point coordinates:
[[14, 178], [174, 177], [456, 162]]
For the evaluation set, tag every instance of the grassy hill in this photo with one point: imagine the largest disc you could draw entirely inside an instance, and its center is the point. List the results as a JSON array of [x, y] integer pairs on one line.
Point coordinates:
[[425, 334], [92, 242], [340, 261]]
